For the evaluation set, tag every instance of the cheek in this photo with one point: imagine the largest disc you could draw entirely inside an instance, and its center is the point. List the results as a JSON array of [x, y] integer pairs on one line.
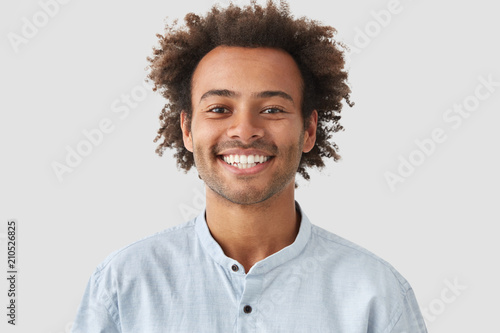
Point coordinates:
[[287, 132], [204, 135]]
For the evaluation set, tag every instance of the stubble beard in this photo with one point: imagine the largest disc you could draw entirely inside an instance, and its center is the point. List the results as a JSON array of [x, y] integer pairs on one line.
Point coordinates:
[[251, 194]]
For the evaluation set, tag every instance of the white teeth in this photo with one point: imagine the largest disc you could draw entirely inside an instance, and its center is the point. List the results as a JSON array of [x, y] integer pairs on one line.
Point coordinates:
[[245, 166], [244, 161]]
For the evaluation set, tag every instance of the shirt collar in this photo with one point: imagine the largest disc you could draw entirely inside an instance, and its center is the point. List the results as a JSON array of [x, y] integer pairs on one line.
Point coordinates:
[[291, 251]]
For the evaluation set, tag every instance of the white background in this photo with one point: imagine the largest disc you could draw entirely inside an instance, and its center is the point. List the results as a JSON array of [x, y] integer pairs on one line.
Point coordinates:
[[436, 226]]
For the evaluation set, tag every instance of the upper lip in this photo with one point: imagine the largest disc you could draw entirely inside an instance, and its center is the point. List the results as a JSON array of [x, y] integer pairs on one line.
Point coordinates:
[[237, 151]]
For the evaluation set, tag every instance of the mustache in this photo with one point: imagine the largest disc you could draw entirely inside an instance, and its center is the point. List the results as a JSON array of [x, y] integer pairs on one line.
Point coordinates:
[[267, 147]]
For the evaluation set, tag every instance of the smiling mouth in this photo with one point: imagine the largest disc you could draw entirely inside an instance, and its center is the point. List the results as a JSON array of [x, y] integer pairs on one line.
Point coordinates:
[[244, 161]]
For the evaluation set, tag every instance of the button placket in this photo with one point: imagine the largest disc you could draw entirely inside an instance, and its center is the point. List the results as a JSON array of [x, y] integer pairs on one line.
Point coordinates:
[[248, 312]]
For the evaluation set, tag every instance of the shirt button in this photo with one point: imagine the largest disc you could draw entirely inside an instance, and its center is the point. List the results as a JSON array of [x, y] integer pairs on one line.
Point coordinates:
[[235, 268], [247, 309]]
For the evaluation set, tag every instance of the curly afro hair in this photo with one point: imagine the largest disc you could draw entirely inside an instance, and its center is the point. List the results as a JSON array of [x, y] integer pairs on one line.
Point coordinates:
[[319, 57]]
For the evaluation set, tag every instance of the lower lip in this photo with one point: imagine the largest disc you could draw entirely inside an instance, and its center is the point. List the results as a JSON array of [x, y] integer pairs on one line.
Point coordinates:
[[248, 171]]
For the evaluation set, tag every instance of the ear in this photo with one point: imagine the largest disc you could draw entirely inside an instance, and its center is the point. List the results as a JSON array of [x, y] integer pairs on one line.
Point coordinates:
[[310, 132], [186, 132]]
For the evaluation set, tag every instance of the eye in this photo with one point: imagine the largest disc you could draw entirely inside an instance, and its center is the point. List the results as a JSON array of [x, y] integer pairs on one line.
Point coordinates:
[[218, 109], [272, 110]]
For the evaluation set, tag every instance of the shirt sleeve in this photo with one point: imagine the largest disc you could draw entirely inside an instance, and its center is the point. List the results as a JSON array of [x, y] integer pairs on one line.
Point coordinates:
[[410, 320], [95, 314]]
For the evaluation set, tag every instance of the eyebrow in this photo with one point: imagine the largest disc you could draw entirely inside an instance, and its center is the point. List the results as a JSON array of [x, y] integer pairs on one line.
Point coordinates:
[[262, 94]]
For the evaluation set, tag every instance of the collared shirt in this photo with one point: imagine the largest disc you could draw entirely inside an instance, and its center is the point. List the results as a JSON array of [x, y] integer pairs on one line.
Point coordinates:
[[180, 280]]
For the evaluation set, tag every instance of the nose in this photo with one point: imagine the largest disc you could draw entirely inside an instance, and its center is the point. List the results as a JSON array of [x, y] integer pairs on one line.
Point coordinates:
[[245, 126]]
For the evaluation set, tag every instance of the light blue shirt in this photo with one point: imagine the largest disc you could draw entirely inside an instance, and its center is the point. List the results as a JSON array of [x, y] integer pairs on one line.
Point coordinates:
[[180, 280]]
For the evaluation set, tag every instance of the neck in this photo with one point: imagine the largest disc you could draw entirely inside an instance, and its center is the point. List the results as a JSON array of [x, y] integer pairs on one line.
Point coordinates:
[[250, 233]]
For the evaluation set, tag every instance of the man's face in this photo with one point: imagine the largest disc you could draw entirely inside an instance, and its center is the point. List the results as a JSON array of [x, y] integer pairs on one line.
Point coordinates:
[[247, 132]]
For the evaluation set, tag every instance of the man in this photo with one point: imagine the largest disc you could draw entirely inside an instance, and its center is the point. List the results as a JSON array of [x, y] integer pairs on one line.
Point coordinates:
[[253, 98]]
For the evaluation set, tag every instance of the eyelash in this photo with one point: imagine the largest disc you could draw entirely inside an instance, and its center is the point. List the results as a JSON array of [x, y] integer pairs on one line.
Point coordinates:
[[280, 110], [275, 108]]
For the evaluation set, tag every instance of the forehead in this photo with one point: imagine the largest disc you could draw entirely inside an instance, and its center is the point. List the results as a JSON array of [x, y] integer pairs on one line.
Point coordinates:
[[246, 71]]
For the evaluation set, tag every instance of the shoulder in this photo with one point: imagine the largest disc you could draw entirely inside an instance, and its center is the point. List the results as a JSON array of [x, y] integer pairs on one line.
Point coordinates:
[[357, 264], [362, 282], [163, 246]]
